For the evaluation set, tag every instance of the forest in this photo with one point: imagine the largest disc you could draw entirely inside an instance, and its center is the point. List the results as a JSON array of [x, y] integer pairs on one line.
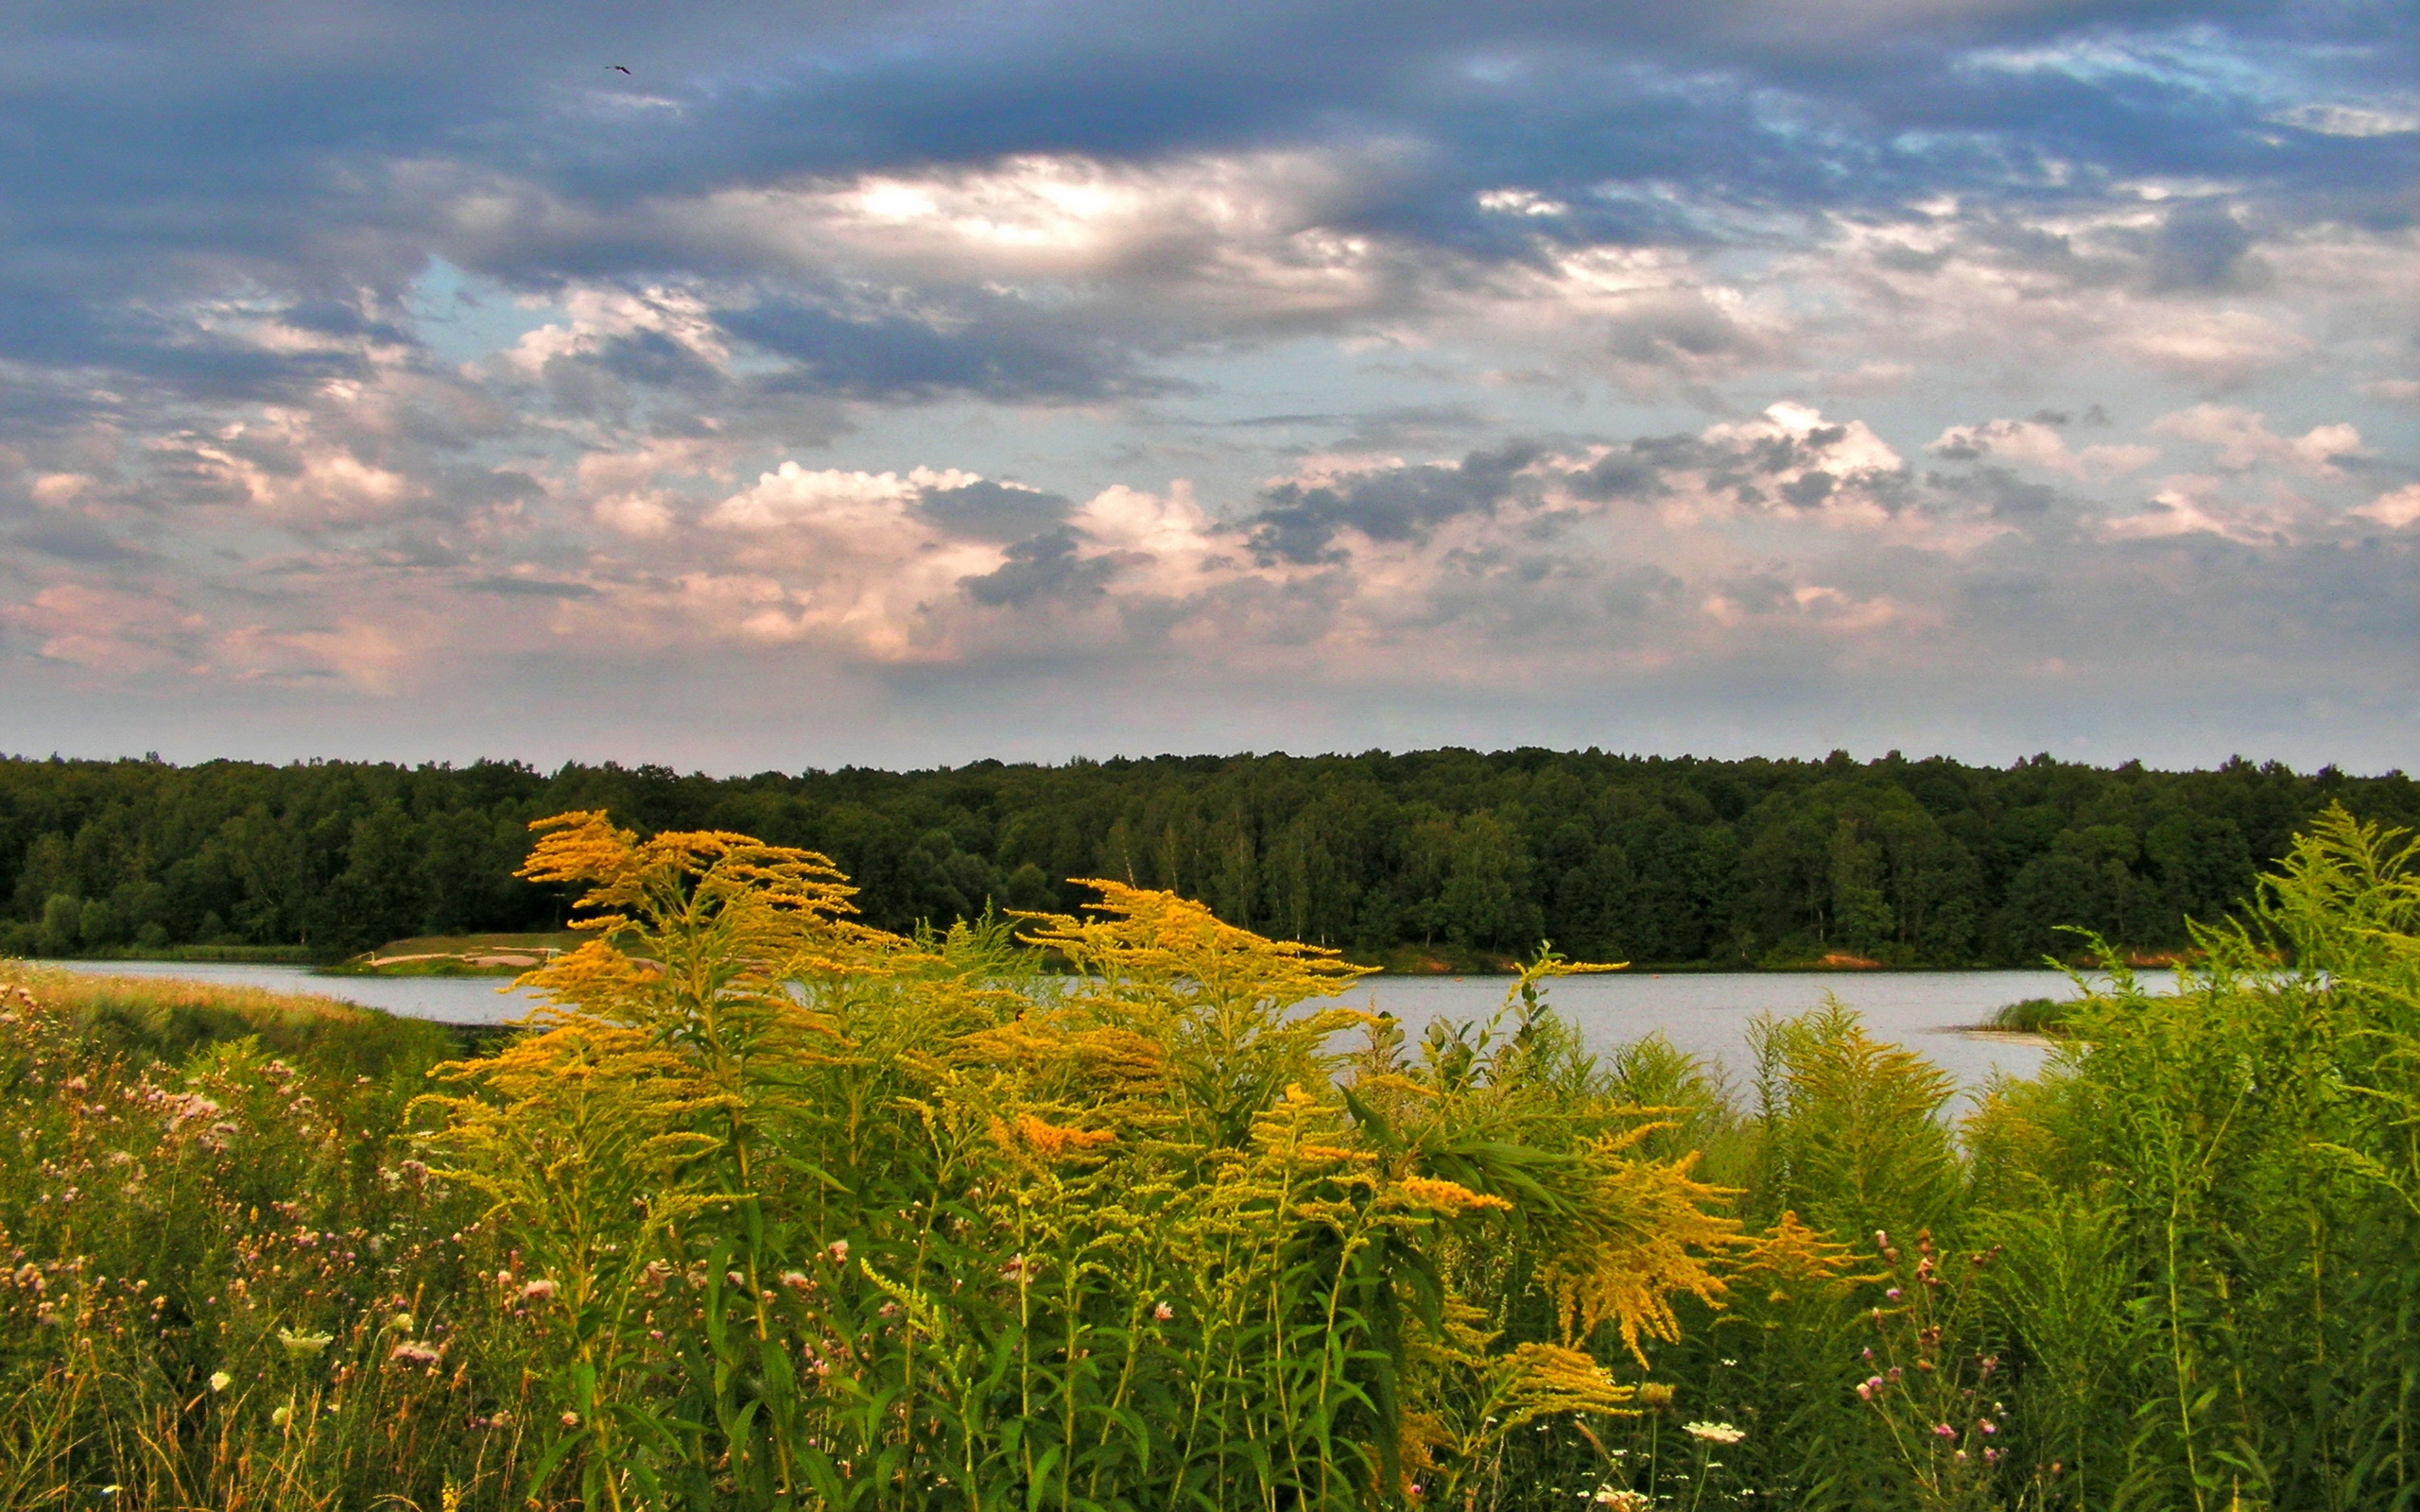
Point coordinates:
[[1440, 857]]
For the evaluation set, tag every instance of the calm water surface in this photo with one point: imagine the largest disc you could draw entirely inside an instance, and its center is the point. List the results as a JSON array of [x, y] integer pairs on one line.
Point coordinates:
[[1705, 1014]]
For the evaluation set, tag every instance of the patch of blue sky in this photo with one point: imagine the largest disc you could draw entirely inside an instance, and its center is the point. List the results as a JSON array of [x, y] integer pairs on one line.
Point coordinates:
[[462, 317]]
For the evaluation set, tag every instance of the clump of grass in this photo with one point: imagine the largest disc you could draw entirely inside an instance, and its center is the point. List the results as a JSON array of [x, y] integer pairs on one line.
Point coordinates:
[[2045, 1016]]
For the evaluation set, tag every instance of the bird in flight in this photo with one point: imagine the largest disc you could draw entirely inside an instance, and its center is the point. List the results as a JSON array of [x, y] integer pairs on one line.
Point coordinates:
[[615, 68]]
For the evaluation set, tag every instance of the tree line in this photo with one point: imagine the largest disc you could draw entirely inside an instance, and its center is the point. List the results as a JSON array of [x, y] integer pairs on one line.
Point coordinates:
[[1456, 855]]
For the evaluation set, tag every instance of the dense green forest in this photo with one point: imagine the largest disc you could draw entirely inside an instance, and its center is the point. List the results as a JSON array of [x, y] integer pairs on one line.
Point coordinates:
[[1457, 853]]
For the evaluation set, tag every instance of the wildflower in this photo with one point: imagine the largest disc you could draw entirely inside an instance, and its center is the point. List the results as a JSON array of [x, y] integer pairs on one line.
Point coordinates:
[[1017, 1269], [1990, 1456], [1162, 1312], [1614, 1500], [838, 1250], [1714, 1433], [1987, 1425], [796, 1281], [1654, 1394], [571, 1420], [1944, 1431], [221, 1381], [402, 1322], [1450, 1198], [301, 1348], [410, 1352], [538, 1291], [282, 1416], [1893, 1294]]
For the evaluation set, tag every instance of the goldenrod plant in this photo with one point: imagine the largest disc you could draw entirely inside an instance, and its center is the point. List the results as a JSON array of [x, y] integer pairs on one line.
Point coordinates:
[[1129, 1208]]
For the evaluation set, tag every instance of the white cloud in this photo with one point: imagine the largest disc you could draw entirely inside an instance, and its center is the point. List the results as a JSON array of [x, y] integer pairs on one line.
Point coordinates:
[[1520, 202], [2395, 510], [829, 499], [2040, 445], [595, 314], [2243, 440], [2197, 504], [2348, 120]]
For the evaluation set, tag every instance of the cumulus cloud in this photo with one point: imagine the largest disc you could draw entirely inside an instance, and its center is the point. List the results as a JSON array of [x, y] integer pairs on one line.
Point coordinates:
[[2241, 441], [2395, 510], [2042, 445]]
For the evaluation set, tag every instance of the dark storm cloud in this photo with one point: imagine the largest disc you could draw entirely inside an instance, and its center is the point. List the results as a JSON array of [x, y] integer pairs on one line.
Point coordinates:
[[1008, 354], [652, 358], [989, 512], [1999, 490], [1044, 567], [71, 538], [1297, 522]]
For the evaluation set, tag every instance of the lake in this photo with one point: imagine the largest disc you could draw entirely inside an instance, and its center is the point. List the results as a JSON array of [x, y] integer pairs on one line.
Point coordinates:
[[1704, 1013]]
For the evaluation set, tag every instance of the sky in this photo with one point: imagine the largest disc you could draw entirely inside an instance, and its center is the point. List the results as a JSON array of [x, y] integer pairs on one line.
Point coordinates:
[[743, 387]]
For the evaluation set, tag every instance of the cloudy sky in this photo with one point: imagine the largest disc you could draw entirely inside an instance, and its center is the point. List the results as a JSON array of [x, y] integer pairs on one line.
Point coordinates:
[[913, 383]]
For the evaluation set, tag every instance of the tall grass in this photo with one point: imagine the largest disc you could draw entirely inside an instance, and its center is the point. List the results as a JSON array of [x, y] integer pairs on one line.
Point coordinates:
[[775, 1210]]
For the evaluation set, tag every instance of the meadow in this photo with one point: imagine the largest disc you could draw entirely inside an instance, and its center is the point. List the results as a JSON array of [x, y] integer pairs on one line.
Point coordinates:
[[779, 1209]]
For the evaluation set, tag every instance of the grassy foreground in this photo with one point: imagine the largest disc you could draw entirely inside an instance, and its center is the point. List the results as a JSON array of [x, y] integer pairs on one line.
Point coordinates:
[[782, 1211]]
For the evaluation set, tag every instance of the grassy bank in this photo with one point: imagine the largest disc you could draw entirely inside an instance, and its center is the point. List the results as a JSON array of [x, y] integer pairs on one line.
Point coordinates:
[[494, 954], [147, 1018]]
